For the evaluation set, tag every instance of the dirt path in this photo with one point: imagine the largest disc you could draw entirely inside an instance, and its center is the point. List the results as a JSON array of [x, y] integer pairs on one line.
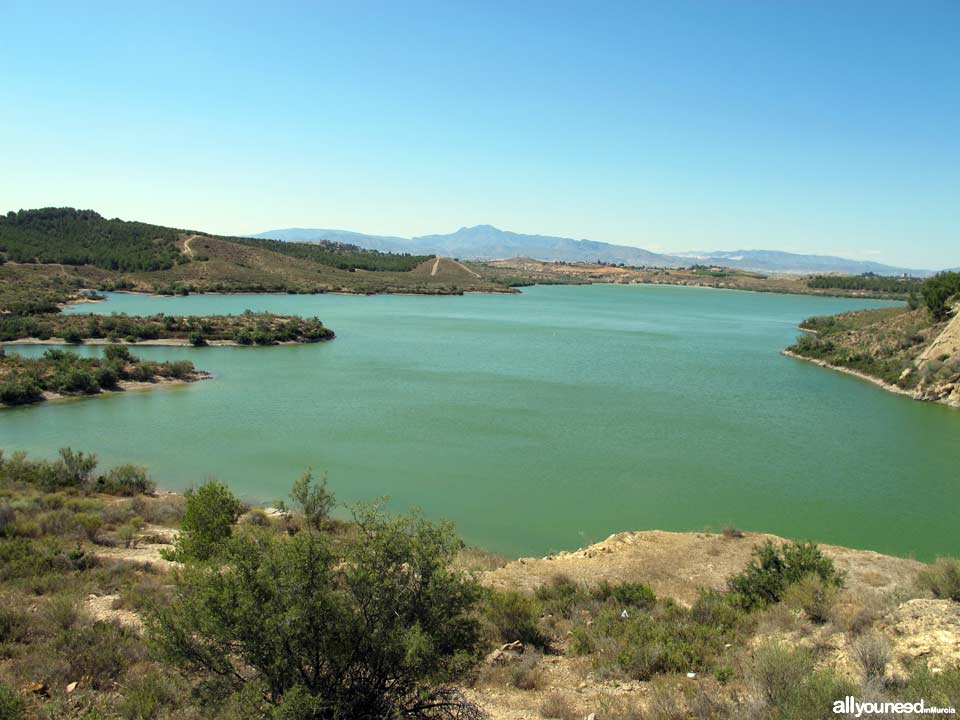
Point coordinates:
[[187, 250], [464, 267], [436, 266]]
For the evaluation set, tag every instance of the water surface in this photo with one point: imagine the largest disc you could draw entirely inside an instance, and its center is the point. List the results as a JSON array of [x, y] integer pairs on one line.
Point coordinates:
[[541, 421]]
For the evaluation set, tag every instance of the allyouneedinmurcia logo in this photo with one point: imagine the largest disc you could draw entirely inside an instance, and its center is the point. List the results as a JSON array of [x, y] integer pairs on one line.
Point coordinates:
[[850, 707]]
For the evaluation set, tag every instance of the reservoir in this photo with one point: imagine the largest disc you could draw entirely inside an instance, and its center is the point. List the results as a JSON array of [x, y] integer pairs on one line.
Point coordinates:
[[542, 421]]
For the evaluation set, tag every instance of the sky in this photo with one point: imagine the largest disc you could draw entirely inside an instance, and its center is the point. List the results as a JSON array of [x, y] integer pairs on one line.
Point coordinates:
[[806, 126]]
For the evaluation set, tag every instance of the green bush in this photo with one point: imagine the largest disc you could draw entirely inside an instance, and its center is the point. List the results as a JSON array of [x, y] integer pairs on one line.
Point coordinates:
[[144, 698], [99, 652], [374, 627], [636, 595], [942, 578], [772, 569], [11, 706], [812, 595], [313, 499], [514, 616], [640, 644], [560, 595], [938, 291], [126, 480], [20, 392], [208, 519], [75, 380], [106, 376], [118, 354]]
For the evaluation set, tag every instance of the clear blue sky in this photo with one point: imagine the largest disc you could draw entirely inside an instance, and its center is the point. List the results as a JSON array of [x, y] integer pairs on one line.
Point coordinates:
[[829, 127]]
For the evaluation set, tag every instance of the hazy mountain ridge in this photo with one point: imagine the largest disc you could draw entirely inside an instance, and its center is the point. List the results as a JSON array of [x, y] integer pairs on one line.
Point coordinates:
[[485, 242]]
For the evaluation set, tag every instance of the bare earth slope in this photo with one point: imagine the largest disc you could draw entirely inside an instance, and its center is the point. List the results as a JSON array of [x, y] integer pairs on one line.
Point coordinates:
[[677, 565]]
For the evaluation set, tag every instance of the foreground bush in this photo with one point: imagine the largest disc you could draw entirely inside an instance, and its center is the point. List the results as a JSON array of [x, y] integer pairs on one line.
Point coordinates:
[[942, 579], [377, 628], [208, 519], [773, 569], [73, 470]]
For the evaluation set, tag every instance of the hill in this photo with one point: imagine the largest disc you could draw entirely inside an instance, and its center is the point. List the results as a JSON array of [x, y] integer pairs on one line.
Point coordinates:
[[485, 242], [49, 256]]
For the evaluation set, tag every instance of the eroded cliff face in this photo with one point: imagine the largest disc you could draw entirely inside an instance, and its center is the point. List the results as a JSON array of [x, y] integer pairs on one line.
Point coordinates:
[[938, 366]]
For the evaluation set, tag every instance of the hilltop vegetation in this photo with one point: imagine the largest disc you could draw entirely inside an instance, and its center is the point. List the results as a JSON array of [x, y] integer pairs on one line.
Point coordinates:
[[893, 286], [339, 255], [295, 615], [83, 237], [29, 380]]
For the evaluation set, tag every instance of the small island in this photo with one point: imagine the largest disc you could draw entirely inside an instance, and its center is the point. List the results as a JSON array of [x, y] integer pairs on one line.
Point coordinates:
[[61, 373], [248, 328]]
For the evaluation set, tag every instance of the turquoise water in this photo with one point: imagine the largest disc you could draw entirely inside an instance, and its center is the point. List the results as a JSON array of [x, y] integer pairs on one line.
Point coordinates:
[[541, 421]]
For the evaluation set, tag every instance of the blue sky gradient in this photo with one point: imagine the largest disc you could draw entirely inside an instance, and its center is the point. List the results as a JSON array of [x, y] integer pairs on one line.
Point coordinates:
[[827, 127]]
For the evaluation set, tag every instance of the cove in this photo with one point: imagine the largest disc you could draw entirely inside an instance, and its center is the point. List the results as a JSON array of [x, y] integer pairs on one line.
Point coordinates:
[[542, 421]]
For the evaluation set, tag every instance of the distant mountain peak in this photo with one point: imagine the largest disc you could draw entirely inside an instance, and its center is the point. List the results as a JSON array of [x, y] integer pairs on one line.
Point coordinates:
[[486, 242]]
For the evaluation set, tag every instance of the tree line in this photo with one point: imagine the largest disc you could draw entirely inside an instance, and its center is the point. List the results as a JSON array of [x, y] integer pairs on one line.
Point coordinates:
[[83, 237], [867, 281], [339, 255]]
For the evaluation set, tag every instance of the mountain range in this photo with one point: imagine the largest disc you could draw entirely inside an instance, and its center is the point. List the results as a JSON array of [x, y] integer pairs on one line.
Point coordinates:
[[485, 242]]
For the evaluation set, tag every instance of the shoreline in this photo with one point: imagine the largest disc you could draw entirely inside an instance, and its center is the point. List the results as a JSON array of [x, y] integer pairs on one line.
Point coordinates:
[[857, 374], [122, 387], [160, 342]]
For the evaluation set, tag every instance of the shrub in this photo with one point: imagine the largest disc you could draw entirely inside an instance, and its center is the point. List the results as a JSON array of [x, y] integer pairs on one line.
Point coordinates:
[[11, 707], [127, 480], [559, 595], [717, 610], [941, 689], [872, 653], [196, 338], [211, 510], [99, 652], [145, 697], [118, 354], [773, 569], [22, 391], [313, 499], [14, 625], [180, 369], [776, 671], [514, 616], [635, 595], [557, 707], [378, 626], [942, 579], [106, 376], [258, 517], [128, 533], [812, 595], [8, 519], [641, 645], [73, 469]]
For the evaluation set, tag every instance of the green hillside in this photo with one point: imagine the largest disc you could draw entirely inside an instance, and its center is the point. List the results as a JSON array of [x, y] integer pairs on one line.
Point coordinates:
[[84, 237]]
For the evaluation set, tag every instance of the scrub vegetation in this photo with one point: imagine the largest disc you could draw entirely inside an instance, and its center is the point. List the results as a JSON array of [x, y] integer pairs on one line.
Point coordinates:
[[296, 614], [62, 373], [914, 348], [248, 328]]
